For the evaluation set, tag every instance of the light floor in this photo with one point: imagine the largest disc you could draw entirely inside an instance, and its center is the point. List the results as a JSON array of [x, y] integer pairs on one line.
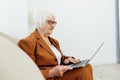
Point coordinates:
[[106, 72]]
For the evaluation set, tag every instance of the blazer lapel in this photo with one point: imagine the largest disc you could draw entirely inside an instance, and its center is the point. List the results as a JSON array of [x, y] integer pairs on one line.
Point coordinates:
[[42, 42], [54, 43]]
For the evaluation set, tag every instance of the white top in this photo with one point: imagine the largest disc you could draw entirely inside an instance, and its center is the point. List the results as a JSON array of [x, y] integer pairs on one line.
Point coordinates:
[[57, 53]]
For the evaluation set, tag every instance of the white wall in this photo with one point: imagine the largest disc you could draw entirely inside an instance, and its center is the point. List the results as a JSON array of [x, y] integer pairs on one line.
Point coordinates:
[[1, 15], [82, 26], [13, 17]]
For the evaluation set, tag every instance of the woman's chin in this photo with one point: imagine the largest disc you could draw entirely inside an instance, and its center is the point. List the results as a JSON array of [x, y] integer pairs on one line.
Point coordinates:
[[50, 32]]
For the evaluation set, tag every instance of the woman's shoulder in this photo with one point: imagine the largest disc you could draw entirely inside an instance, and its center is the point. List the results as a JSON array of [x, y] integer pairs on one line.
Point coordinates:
[[30, 38], [53, 40]]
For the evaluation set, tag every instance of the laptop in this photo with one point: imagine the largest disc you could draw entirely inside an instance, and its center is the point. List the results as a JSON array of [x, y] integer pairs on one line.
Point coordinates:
[[83, 63]]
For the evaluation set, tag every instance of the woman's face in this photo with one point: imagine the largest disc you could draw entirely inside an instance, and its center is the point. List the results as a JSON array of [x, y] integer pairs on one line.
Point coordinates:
[[49, 25]]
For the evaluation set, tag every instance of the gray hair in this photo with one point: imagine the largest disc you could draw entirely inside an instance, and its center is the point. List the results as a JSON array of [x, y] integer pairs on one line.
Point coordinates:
[[41, 17]]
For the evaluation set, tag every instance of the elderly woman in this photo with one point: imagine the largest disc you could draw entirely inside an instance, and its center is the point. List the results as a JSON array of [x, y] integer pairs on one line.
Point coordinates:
[[46, 53]]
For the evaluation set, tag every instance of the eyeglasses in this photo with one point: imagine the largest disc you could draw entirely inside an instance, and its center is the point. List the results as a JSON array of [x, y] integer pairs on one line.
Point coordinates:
[[50, 22]]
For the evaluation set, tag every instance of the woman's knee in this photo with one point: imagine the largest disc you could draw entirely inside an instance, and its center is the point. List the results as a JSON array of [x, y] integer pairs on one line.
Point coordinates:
[[84, 73], [89, 67]]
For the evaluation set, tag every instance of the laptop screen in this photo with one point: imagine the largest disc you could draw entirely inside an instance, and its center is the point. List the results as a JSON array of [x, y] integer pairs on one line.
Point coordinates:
[[97, 50]]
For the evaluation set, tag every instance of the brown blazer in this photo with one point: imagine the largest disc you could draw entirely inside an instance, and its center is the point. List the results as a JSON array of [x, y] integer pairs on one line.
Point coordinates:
[[40, 52]]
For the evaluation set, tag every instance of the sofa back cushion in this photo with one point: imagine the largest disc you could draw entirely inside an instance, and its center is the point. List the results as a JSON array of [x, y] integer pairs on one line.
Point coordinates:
[[15, 64]]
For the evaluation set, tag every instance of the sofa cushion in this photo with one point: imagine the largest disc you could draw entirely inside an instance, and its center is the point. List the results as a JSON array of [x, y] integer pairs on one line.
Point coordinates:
[[15, 64], [10, 38]]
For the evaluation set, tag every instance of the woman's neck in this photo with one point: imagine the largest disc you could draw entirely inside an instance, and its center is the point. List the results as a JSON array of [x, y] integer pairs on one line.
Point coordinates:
[[45, 37], [42, 33]]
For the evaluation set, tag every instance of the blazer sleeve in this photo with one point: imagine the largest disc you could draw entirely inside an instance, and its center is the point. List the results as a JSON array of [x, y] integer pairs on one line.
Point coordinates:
[[28, 47], [46, 73]]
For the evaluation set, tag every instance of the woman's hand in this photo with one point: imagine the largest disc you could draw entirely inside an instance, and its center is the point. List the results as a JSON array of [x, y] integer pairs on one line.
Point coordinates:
[[58, 70], [71, 60]]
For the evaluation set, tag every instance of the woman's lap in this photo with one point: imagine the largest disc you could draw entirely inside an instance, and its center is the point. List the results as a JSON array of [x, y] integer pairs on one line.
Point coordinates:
[[82, 73]]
